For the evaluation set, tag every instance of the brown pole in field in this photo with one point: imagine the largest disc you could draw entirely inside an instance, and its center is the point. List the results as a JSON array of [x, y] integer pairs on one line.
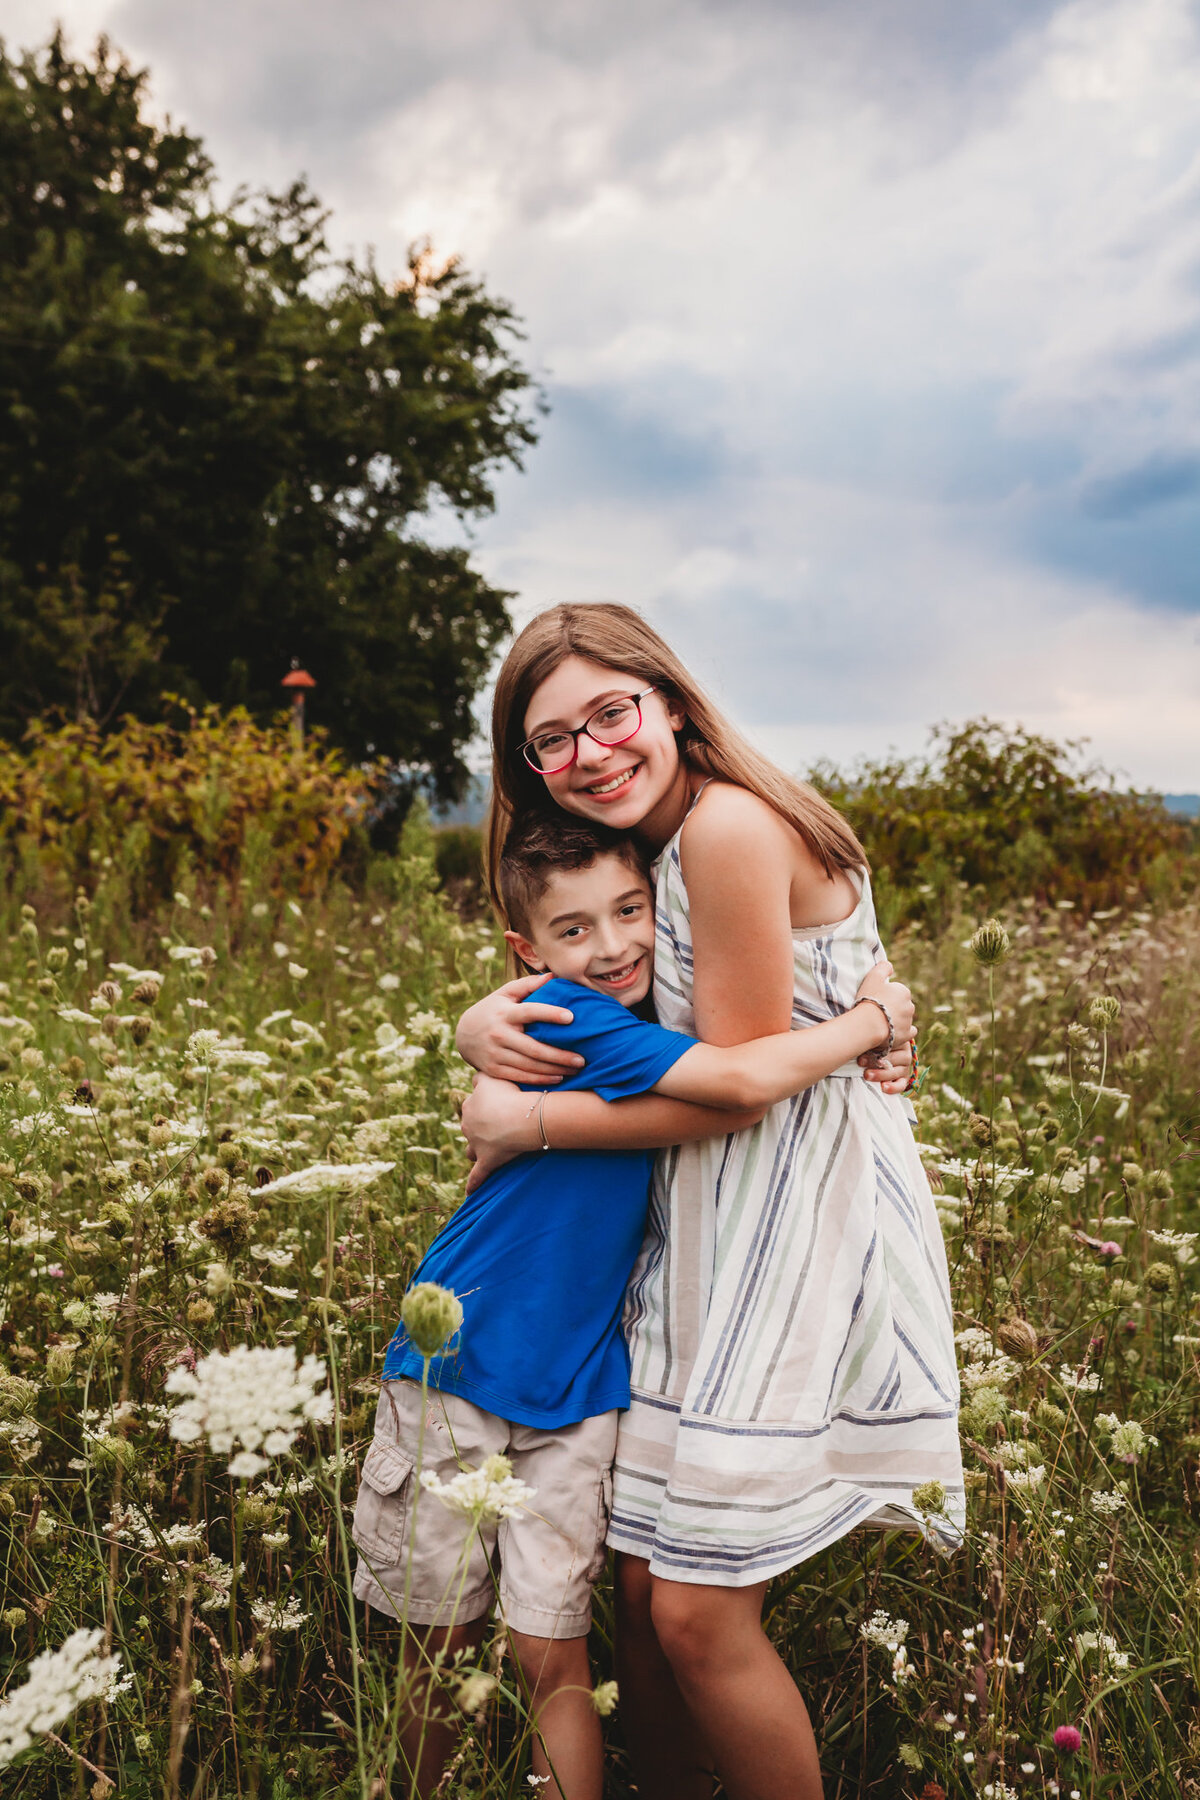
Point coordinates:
[[298, 681]]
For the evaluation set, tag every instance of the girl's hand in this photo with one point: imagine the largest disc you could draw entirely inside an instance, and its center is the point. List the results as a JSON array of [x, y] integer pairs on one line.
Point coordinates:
[[877, 984], [892, 1075], [491, 1037], [499, 1123]]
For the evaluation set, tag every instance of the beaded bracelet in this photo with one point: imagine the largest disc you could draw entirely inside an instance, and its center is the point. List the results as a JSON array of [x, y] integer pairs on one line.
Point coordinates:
[[870, 1000]]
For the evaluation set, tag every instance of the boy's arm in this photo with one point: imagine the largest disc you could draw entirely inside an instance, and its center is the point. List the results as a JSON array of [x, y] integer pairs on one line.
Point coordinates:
[[501, 1122], [770, 1068]]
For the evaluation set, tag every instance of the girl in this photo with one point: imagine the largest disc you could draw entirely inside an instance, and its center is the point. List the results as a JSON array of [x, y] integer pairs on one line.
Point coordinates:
[[789, 1317]]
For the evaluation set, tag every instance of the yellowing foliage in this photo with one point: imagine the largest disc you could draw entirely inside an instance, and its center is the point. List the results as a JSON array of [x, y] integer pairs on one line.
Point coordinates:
[[208, 790]]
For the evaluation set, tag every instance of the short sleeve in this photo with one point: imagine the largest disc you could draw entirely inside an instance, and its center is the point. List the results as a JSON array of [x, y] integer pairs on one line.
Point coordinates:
[[623, 1055]]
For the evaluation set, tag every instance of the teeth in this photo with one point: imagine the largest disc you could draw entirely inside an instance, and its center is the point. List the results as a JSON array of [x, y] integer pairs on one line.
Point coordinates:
[[616, 782]]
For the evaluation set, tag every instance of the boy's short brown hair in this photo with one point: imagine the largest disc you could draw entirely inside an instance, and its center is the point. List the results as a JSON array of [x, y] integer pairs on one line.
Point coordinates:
[[541, 845]]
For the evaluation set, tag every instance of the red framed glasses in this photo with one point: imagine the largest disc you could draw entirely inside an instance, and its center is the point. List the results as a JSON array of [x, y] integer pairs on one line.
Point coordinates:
[[613, 723]]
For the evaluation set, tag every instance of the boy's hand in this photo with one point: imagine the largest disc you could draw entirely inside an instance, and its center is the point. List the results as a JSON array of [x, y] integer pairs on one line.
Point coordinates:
[[491, 1036]]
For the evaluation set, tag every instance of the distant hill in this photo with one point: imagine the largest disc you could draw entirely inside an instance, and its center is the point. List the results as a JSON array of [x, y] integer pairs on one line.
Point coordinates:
[[1183, 803]]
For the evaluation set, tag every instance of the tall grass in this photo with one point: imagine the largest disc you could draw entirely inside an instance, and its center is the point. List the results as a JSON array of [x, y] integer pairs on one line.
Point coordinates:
[[1061, 1137]]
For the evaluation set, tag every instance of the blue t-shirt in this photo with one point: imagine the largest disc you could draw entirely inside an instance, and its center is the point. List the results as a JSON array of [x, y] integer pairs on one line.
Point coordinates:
[[540, 1254]]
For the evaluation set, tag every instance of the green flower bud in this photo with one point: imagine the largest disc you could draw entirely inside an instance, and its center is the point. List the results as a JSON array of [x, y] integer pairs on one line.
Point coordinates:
[[60, 1360], [990, 944], [1160, 1278], [110, 1453], [1131, 1174], [1104, 1011], [930, 1498], [431, 1315]]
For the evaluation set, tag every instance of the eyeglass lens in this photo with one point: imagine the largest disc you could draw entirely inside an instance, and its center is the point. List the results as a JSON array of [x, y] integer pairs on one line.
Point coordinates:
[[611, 723]]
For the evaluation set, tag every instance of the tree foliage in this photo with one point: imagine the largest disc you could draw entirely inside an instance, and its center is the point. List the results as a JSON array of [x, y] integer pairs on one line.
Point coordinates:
[[1010, 813], [217, 441]]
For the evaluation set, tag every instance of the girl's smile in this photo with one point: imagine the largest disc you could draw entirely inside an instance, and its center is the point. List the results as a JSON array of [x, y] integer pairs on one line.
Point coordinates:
[[625, 785]]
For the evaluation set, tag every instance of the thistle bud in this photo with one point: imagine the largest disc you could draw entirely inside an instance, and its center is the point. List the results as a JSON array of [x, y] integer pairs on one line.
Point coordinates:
[[146, 992], [990, 944], [1018, 1338], [1104, 1011], [431, 1315]]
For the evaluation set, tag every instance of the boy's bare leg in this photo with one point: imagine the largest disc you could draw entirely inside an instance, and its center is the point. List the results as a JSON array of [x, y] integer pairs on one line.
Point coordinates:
[[430, 1725], [670, 1758], [568, 1747]]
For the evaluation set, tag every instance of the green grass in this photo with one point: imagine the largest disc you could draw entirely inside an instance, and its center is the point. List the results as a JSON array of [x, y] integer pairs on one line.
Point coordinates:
[[135, 1233]]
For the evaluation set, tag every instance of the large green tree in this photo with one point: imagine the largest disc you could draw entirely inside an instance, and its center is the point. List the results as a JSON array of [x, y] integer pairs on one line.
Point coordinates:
[[217, 442]]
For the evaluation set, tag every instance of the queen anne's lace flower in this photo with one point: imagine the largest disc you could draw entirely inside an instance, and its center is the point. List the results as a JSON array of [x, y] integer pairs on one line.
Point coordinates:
[[278, 1615], [884, 1631], [250, 1399], [58, 1681], [484, 1495], [323, 1178]]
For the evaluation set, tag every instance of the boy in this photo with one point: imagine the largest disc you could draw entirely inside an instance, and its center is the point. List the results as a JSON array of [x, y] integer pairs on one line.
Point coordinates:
[[539, 1256]]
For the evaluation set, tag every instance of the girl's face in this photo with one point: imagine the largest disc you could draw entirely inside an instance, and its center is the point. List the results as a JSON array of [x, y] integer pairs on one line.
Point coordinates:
[[639, 785]]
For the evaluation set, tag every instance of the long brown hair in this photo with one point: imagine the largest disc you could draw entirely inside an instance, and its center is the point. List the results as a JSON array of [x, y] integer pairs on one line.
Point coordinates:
[[618, 638]]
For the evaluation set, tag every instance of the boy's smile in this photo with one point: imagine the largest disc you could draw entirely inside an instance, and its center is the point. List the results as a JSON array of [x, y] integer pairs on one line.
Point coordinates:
[[595, 926]]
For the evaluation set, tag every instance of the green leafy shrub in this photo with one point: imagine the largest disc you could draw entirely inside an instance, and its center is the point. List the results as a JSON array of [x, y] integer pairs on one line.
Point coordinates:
[[1014, 815]]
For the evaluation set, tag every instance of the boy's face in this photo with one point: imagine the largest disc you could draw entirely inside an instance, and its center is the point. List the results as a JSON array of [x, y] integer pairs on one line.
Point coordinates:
[[594, 926]]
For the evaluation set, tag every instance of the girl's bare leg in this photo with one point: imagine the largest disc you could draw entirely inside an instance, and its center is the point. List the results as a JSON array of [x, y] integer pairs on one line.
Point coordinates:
[[568, 1747], [670, 1758], [732, 1678]]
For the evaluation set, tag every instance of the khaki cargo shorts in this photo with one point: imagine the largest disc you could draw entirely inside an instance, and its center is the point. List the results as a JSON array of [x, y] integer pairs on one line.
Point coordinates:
[[540, 1564]]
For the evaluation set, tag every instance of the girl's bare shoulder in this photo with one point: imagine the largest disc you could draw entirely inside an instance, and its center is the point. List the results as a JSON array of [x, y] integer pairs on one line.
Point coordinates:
[[729, 820]]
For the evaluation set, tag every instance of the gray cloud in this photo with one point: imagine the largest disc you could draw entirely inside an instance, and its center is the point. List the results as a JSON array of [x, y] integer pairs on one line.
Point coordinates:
[[871, 333]]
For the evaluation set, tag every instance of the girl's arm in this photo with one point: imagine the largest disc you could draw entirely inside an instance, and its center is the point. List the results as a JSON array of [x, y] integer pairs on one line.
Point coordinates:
[[491, 1036], [770, 1068], [501, 1122]]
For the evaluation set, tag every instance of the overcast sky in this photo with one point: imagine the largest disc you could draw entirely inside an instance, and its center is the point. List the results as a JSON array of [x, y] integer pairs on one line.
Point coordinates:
[[870, 332]]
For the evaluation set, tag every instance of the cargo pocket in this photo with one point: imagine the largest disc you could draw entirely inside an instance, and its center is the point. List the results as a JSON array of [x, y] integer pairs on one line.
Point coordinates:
[[604, 1499], [382, 1506]]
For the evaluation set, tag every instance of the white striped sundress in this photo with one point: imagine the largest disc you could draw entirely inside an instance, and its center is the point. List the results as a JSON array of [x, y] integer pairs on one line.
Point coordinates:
[[789, 1316]]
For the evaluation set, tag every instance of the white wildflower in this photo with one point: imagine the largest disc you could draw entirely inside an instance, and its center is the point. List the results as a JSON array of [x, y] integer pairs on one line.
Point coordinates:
[[1079, 1381], [250, 1398], [389, 982], [57, 1682], [474, 1691], [324, 1178], [1027, 1479], [277, 1615], [1071, 1181], [884, 1631], [484, 1495], [1112, 1501], [281, 950], [1106, 1645], [296, 972], [1183, 1243], [202, 1046]]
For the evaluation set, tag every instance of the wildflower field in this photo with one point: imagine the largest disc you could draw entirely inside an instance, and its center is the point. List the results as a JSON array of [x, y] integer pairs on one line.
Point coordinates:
[[227, 1129]]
